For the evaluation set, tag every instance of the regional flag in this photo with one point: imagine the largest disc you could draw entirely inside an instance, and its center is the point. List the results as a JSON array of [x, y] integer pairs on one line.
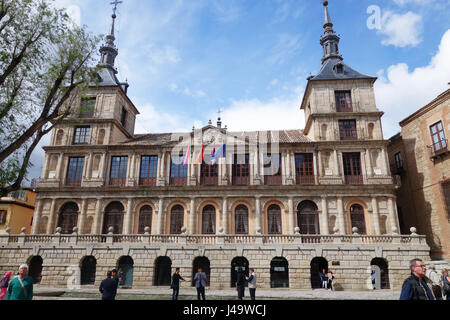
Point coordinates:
[[220, 153], [186, 159], [199, 159]]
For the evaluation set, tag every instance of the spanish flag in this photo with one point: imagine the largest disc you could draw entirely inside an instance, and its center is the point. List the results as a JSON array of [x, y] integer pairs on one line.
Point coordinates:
[[199, 159]]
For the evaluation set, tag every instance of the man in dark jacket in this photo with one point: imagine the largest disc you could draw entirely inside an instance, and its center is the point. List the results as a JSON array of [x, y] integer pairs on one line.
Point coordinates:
[[115, 276], [415, 287], [176, 283], [108, 287], [240, 284]]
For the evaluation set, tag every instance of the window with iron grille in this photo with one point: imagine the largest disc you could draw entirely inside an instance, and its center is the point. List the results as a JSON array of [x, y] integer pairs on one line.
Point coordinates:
[[438, 137], [398, 160], [304, 168], [87, 107], [308, 218], [357, 218], [81, 135], [347, 130], [241, 219], [145, 219], [119, 170], [176, 219], [209, 220], [343, 101], [75, 171], [3, 215], [274, 219]]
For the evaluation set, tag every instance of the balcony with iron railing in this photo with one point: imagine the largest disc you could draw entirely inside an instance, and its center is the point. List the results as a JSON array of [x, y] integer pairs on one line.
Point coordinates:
[[73, 183], [147, 182], [309, 179], [117, 182], [273, 180], [354, 179], [178, 182], [241, 181], [439, 148], [209, 181], [348, 134]]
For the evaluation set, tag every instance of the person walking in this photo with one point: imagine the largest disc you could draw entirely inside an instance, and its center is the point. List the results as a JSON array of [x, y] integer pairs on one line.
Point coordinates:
[[4, 283], [240, 284], [330, 278], [108, 287], [21, 287], [373, 277], [415, 286], [175, 286], [200, 283], [434, 280], [323, 279], [446, 283], [252, 284]]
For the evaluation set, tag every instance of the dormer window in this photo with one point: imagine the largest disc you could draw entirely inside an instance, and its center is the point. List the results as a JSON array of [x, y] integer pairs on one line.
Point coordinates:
[[123, 117], [339, 68]]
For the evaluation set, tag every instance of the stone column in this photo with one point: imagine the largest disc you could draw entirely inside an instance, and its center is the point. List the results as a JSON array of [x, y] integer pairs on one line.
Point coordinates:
[[37, 216], [45, 167], [393, 219], [319, 156], [369, 163], [316, 168], [102, 167], [292, 165], [97, 229], [336, 163], [59, 166], [288, 163], [376, 216], [341, 217], [88, 174], [258, 215], [52, 219], [291, 220], [324, 228], [128, 217], [385, 161], [192, 217], [159, 217], [83, 214], [225, 216], [158, 166]]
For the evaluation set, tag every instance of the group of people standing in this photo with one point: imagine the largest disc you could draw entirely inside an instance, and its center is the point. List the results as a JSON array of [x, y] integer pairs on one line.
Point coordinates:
[[18, 288], [326, 279]]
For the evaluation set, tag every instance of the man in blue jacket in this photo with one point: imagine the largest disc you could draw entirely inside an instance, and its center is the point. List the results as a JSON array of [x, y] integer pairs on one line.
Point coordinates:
[[415, 287], [108, 287], [200, 283]]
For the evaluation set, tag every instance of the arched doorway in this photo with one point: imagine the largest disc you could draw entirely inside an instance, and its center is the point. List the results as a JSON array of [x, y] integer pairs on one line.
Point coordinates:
[[68, 218], [163, 270], [274, 219], [126, 264], [357, 218], [88, 270], [238, 263], [279, 273], [308, 218], [113, 218], [209, 220], [317, 265], [176, 219], [381, 273], [145, 219], [35, 269], [241, 219], [201, 262]]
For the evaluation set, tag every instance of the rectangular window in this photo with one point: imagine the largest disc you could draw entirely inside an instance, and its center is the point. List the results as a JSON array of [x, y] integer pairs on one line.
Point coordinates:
[[87, 107], [352, 168], [343, 101], [75, 171], [81, 135], [438, 138], [241, 169], [209, 174], [118, 171], [178, 172], [347, 130], [304, 168], [398, 161], [3, 215], [149, 167], [272, 169]]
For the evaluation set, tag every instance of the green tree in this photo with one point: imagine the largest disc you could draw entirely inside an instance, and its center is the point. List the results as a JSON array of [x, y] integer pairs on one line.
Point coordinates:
[[46, 62]]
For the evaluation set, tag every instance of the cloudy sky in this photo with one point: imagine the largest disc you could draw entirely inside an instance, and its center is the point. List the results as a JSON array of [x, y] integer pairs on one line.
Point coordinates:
[[186, 59]]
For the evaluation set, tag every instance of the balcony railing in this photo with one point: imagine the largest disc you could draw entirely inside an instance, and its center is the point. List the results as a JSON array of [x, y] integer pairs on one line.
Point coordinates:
[[439, 148], [344, 106], [241, 181], [354, 180], [306, 179], [178, 182], [73, 183], [150, 182], [209, 181], [349, 134], [273, 180], [116, 182]]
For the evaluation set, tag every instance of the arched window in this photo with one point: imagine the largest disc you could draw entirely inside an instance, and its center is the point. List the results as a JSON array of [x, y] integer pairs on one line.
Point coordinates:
[[308, 218], [176, 219], [357, 218], [68, 218], [274, 219], [163, 268], [209, 220], [145, 219], [88, 270], [241, 219], [113, 218]]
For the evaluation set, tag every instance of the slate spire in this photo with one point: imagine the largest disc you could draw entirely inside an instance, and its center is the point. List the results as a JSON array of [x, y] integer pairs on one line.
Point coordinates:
[[109, 51], [330, 41]]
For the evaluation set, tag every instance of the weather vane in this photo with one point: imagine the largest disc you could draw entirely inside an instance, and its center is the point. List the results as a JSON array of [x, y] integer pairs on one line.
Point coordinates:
[[115, 3]]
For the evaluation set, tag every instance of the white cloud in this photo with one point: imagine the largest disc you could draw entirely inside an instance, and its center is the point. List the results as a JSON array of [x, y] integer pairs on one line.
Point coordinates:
[[421, 2], [401, 29], [286, 47], [400, 92], [152, 120]]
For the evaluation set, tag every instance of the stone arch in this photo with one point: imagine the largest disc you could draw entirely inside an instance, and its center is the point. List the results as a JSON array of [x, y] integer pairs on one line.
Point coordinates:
[[113, 216], [381, 268], [317, 265], [162, 272], [279, 273], [168, 211], [251, 216], [238, 263], [137, 211], [35, 268], [68, 217], [126, 265], [88, 267], [350, 207], [200, 211], [205, 265]]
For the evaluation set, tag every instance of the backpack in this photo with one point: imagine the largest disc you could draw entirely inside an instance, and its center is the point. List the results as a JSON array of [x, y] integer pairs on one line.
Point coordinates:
[[446, 284]]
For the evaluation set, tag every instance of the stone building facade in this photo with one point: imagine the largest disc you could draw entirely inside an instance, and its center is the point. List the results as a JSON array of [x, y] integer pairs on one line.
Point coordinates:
[[419, 155], [288, 203]]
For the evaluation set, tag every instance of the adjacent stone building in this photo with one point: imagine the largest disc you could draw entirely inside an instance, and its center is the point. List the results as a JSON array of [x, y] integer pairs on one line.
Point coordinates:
[[288, 203], [16, 211], [420, 157]]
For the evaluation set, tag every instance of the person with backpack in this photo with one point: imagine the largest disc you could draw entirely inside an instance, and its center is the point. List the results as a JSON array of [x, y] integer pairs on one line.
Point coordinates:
[[446, 283], [4, 284], [21, 287]]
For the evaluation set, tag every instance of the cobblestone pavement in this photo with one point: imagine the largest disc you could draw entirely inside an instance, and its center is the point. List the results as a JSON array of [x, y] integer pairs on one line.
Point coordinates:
[[190, 293]]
